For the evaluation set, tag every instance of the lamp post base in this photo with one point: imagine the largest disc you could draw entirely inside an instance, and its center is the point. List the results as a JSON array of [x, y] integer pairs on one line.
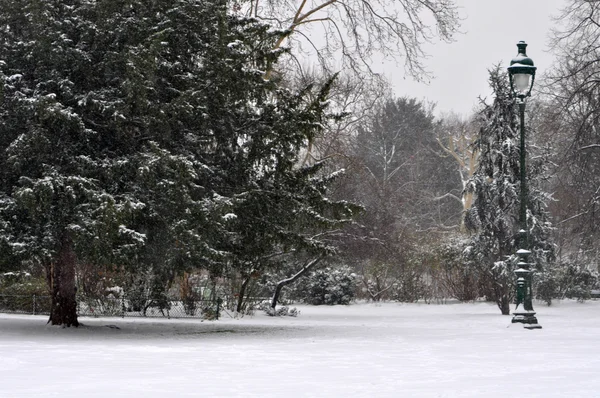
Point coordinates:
[[527, 318]]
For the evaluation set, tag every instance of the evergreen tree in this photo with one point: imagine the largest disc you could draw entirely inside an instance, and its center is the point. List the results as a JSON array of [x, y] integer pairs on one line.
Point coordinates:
[[270, 206], [493, 219], [143, 134], [54, 199]]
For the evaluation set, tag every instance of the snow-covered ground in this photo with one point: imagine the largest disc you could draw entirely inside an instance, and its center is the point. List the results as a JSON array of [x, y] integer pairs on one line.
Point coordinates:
[[362, 350]]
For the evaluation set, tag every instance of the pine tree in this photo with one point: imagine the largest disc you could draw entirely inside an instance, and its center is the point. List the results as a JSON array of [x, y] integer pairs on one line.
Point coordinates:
[[143, 135], [493, 219], [53, 200], [275, 208]]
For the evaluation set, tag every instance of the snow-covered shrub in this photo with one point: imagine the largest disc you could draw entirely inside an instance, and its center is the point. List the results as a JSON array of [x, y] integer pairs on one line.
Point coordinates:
[[22, 283], [328, 286], [264, 306], [459, 278], [270, 311], [146, 290], [293, 312], [17, 291], [579, 282], [210, 310], [569, 279], [99, 306], [409, 288], [281, 311], [576, 281], [546, 286], [136, 293], [188, 295]]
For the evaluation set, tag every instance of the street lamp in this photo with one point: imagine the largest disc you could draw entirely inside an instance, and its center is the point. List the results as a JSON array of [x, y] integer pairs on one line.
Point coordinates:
[[521, 73]]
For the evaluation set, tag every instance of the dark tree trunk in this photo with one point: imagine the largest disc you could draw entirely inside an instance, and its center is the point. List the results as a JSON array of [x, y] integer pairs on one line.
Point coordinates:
[[277, 293], [504, 305], [240, 303], [62, 286]]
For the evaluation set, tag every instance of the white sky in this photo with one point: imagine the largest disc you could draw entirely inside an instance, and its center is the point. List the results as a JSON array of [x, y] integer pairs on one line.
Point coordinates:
[[491, 29]]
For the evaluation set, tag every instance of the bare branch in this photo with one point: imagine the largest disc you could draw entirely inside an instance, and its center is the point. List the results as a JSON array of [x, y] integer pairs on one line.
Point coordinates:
[[596, 146], [356, 29], [448, 195]]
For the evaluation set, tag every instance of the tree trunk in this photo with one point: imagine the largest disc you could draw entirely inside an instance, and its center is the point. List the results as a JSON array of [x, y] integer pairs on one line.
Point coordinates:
[[504, 305], [240, 303], [62, 286], [292, 279], [276, 294]]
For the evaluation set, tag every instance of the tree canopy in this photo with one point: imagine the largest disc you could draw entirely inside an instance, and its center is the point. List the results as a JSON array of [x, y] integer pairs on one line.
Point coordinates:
[[143, 135]]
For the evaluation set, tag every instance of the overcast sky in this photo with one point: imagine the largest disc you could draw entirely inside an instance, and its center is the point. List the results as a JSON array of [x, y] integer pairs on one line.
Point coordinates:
[[491, 29]]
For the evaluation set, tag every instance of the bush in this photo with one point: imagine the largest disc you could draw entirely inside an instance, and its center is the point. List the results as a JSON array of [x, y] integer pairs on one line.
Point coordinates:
[[22, 284], [328, 286], [460, 278], [17, 291], [546, 286], [577, 282], [281, 311], [569, 279]]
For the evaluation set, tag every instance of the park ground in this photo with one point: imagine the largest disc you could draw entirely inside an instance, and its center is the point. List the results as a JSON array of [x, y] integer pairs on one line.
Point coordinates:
[[360, 350]]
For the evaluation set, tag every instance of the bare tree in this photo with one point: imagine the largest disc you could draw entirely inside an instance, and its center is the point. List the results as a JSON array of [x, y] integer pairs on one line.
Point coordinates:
[[456, 137], [573, 114], [351, 100], [350, 36], [353, 31], [397, 175], [378, 279]]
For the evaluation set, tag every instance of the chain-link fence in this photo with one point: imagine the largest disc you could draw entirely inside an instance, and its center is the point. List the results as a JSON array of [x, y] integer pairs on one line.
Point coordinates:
[[123, 307], [33, 304]]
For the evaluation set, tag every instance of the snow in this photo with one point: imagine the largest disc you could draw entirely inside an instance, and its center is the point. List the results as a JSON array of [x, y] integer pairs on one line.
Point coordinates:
[[235, 44], [361, 350], [130, 233]]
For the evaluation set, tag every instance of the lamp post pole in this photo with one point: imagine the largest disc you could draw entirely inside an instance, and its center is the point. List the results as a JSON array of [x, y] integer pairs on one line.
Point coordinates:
[[522, 75], [523, 173]]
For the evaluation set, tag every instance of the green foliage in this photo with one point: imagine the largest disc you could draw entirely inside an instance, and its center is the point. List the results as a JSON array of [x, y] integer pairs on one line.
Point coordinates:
[[493, 219], [567, 279], [22, 284], [146, 133], [329, 286], [22, 292]]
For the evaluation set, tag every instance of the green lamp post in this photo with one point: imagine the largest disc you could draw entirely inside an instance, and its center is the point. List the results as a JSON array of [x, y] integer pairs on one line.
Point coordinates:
[[522, 75]]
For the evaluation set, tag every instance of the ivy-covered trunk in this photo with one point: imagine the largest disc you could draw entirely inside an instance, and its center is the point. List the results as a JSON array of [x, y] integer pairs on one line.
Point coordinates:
[[62, 286]]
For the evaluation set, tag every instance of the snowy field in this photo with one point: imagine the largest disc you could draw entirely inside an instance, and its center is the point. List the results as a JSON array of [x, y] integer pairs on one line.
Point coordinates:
[[362, 350]]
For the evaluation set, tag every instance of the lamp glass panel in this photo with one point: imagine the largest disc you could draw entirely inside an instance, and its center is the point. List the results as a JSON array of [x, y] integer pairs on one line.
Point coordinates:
[[521, 82]]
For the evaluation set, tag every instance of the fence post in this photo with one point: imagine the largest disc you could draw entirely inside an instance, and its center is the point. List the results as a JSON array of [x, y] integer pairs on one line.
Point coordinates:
[[34, 304]]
